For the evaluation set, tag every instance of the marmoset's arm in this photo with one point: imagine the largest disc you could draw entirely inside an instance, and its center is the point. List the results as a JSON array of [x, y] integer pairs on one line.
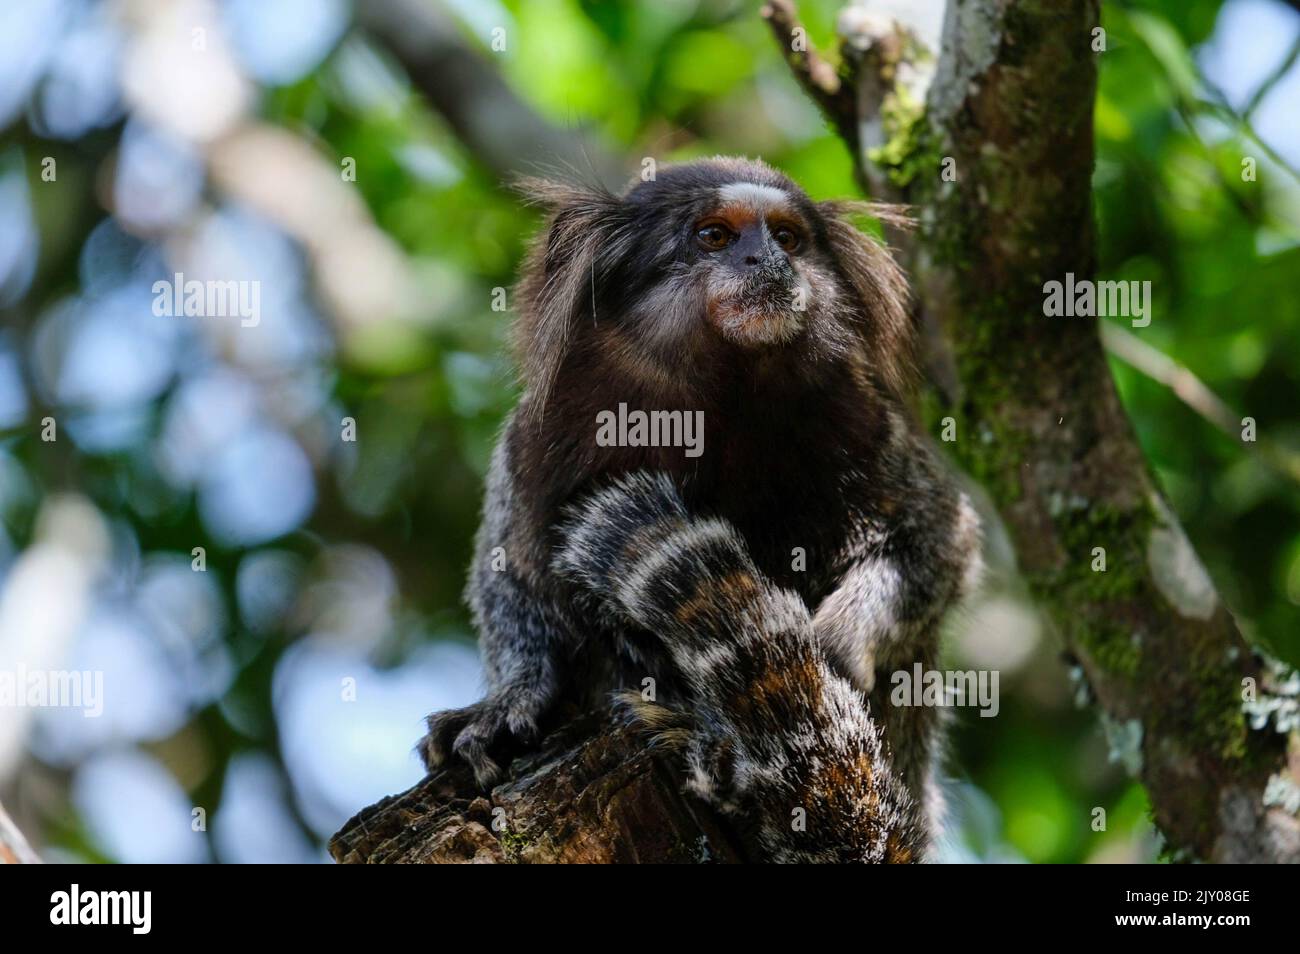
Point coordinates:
[[772, 734], [525, 635], [904, 567]]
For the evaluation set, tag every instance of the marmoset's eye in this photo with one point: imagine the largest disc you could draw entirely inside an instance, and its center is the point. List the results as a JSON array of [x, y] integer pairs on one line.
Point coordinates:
[[714, 237], [787, 238]]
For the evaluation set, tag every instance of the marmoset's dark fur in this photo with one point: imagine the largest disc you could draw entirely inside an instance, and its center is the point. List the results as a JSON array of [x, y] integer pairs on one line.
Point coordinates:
[[767, 585]]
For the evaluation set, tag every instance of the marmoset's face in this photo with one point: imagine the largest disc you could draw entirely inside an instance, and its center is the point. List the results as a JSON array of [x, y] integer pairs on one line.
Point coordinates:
[[741, 251], [748, 243], [712, 269]]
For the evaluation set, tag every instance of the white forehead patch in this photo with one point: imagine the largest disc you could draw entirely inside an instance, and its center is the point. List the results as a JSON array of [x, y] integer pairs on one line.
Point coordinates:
[[760, 198]]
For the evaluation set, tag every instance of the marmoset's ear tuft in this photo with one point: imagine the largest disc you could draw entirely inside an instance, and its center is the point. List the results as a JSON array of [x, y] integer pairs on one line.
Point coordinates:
[[886, 323], [560, 274]]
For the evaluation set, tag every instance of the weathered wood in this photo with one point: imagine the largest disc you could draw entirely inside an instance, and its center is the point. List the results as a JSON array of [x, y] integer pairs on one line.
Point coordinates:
[[593, 793]]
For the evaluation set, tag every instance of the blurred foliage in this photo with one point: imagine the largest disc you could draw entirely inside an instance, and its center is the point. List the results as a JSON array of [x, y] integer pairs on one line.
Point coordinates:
[[674, 79]]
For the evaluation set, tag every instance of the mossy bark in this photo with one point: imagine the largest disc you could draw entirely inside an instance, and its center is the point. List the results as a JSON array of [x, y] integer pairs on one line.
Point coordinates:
[[1041, 427]]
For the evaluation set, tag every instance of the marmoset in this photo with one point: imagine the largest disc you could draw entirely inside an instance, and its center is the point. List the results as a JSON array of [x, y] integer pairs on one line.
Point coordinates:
[[764, 586]]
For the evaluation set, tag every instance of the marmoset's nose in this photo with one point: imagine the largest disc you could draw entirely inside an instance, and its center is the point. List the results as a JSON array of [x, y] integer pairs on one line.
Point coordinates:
[[755, 247]]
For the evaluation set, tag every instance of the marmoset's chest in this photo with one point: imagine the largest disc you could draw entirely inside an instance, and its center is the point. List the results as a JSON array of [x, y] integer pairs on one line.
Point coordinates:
[[795, 496], [797, 473]]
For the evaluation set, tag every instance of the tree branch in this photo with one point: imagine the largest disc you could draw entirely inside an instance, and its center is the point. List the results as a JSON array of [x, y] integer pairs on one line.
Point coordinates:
[[14, 849], [817, 77], [461, 84], [1273, 78], [593, 793], [1193, 392]]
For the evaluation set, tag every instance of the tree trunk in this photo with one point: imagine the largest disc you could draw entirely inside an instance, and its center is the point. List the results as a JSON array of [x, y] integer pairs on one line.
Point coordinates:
[[1039, 424]]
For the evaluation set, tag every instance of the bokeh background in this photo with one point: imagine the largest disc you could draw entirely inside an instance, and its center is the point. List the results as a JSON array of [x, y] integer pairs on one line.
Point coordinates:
[[282, 687]]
